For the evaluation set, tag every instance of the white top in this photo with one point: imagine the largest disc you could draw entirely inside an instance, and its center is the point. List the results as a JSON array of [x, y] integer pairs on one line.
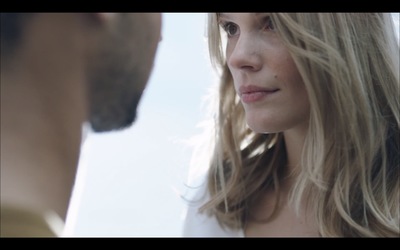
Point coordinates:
[[199, 224]]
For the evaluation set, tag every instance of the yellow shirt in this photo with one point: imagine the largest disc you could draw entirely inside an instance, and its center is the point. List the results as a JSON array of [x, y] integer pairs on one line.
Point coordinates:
[[20, 222]]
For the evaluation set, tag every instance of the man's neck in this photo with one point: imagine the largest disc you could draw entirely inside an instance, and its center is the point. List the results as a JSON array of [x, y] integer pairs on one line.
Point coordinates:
[[40, 143]]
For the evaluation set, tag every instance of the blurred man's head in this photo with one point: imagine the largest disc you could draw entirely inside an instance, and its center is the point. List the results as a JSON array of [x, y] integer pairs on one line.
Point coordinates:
[[120, 68], [120, 59]]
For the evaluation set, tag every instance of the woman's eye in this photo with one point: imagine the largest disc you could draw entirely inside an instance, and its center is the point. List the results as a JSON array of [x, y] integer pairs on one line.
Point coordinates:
[[230, 28]]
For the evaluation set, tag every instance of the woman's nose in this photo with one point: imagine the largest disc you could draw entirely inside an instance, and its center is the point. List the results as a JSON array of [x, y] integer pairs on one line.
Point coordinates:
[[245, 54]]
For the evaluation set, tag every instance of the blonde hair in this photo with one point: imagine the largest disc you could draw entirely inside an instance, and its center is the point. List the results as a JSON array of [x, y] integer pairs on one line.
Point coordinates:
[[349, 63]]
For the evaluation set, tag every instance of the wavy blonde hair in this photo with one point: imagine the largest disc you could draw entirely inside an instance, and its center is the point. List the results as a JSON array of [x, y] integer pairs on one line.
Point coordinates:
[[349, 63]]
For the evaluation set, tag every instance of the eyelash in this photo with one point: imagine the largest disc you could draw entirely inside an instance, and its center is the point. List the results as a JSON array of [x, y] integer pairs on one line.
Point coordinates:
[[266, 24]]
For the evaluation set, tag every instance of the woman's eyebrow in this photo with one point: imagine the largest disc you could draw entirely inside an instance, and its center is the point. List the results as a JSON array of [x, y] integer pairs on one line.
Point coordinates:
[[261, 13], [223, 15]]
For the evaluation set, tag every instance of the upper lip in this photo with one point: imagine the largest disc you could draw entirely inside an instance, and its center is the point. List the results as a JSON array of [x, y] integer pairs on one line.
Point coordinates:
[[247, 89]]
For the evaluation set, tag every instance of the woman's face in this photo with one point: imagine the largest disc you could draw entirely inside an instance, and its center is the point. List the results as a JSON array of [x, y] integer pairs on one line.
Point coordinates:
[[265, 76]]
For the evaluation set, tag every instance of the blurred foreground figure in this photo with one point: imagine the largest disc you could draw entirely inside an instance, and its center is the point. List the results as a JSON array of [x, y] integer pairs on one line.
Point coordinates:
[[59, 70]]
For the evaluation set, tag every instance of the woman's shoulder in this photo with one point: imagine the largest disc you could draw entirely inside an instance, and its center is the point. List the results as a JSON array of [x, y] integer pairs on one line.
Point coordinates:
[[201, 224]]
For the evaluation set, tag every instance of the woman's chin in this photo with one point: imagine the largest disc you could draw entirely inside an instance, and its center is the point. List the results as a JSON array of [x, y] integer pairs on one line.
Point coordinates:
[[262, 128]]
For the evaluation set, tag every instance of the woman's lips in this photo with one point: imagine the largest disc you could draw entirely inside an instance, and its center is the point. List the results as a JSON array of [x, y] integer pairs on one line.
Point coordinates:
[[251, 94]]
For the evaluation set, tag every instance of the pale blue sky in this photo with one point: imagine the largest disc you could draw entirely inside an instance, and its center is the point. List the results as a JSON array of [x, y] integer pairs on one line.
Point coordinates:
[[128, 181]]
